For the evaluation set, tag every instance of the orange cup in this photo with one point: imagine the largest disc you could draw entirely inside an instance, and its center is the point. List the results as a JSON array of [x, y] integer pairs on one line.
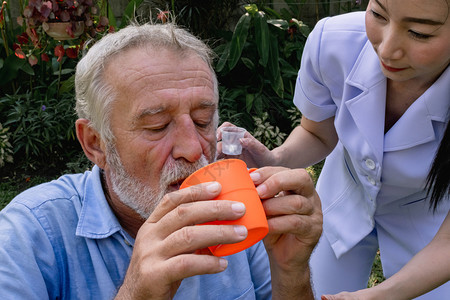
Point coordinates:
[[237, 185]]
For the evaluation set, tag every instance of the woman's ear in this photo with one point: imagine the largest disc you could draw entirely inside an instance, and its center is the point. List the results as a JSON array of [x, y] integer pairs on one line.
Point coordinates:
[[91, 142]]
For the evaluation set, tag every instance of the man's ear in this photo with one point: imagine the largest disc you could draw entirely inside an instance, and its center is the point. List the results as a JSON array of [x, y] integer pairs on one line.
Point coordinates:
[[91, 142]]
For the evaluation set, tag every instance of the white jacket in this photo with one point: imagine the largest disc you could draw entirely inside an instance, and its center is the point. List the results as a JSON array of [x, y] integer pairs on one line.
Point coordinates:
[[368, 171]]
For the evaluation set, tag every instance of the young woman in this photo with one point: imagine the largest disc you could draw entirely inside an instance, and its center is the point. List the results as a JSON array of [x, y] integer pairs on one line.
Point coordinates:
[[374, 90]]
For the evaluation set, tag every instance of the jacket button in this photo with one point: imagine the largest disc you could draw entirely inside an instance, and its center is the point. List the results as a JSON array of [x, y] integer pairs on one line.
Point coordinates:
[[371, 180], [370, 164]]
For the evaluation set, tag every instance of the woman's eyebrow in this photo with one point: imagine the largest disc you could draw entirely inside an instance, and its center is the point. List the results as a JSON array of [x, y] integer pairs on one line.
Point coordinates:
[[422, 21], [415, 20], [381, 5]]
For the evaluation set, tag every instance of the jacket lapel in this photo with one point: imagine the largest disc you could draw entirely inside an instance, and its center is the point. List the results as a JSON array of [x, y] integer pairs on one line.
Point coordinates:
[[415, 127], [365, 98]]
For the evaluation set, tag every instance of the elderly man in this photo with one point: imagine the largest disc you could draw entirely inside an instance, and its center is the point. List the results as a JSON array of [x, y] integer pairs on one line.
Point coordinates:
[[147, 102]]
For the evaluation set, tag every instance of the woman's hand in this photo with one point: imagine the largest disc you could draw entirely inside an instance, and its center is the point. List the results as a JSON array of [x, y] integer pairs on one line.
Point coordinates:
[[254, 153]]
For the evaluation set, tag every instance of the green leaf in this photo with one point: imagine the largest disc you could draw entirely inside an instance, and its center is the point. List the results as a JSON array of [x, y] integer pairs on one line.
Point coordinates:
[[10, 69], [249, 98], [287, 69], [274, 69], [111, 17], [279, 23], [67, 85], [223, 58], [64, 72], [128, 14], [238, 40], [262, 37], [27, 69], [248, 63]]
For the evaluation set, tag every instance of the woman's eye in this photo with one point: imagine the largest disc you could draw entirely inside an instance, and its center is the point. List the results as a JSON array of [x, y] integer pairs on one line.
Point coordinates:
[[377, 15], [419, 36]]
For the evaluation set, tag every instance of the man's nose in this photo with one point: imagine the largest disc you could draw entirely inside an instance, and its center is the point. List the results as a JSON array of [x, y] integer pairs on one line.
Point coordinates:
[[391, 46], [187, 142]]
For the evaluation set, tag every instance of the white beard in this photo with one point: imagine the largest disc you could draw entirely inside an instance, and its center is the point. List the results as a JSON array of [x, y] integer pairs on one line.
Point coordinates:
[[136, 195]]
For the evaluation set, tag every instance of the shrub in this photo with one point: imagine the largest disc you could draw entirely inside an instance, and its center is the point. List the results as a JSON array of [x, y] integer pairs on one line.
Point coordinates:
[[257, 69], [41, 124], [5, 146]]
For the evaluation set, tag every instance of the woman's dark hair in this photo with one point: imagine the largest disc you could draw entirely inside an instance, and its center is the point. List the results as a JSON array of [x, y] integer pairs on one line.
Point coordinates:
[[438, 180]]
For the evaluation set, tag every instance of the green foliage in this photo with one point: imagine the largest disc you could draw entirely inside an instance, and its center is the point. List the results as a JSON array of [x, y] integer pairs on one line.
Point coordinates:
[[257, 69], [206, 19], [41, 124], [5, 146], [267, 133]]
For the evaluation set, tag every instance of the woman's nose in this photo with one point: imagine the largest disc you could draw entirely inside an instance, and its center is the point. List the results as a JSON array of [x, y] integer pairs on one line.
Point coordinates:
[[391, 45]]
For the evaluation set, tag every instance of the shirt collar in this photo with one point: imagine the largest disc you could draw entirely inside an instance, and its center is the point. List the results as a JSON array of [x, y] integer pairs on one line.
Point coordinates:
[[97, 220]]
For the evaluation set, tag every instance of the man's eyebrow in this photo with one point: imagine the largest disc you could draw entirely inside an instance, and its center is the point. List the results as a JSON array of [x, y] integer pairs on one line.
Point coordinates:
[[414, 20], [147, 112], [208, 104]]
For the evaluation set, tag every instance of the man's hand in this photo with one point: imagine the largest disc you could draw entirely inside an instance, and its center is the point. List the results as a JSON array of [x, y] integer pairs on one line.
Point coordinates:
[[169, 247], [294, 215]]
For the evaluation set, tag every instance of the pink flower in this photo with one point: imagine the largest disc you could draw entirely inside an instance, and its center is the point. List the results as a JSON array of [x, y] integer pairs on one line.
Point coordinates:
[[163, 16], [19, 53], [32, 60]]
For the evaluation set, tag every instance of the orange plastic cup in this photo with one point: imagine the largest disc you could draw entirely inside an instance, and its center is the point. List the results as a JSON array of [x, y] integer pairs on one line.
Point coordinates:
[[237, 185]]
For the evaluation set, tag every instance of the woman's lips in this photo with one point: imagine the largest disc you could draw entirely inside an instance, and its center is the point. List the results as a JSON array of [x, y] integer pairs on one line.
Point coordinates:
[[391, 69]]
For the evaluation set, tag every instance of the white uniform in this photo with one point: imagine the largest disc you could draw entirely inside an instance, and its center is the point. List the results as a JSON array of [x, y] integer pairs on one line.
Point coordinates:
[[372, 184]]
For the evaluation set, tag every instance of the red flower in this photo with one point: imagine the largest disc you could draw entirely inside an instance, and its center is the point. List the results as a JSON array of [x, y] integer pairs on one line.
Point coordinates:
[[59, 52], [292, 30], [23, 38], [1, 12], [72, 52], [44, 57]]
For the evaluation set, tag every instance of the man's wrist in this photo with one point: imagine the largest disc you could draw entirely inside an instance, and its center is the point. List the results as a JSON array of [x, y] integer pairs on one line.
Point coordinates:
[[292, 285]]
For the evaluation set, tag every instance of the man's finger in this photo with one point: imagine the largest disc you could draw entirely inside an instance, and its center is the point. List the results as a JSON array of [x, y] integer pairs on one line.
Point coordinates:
[[199, 192]]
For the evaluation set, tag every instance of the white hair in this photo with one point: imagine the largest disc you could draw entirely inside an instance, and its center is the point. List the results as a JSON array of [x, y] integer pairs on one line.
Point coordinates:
[[94, 96]]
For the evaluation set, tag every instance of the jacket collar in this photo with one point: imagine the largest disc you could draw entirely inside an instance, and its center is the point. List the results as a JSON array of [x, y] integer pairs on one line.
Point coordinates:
[[367, 106]]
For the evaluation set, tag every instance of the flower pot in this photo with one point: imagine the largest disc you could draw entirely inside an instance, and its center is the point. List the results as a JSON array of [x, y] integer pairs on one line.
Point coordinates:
[[61, 30]]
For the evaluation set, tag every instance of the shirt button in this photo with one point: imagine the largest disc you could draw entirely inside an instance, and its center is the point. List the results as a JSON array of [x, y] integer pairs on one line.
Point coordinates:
[[370, 164], [371, 180], [126, 242]]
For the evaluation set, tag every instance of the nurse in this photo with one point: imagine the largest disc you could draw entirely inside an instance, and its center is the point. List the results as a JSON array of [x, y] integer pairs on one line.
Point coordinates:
[[373, 89]]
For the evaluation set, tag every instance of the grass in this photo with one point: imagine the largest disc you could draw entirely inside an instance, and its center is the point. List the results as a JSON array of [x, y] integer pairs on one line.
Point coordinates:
[[11, 186]]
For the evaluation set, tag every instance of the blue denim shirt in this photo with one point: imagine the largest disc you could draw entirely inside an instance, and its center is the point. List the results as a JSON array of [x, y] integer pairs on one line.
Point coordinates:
[[60, 240]]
